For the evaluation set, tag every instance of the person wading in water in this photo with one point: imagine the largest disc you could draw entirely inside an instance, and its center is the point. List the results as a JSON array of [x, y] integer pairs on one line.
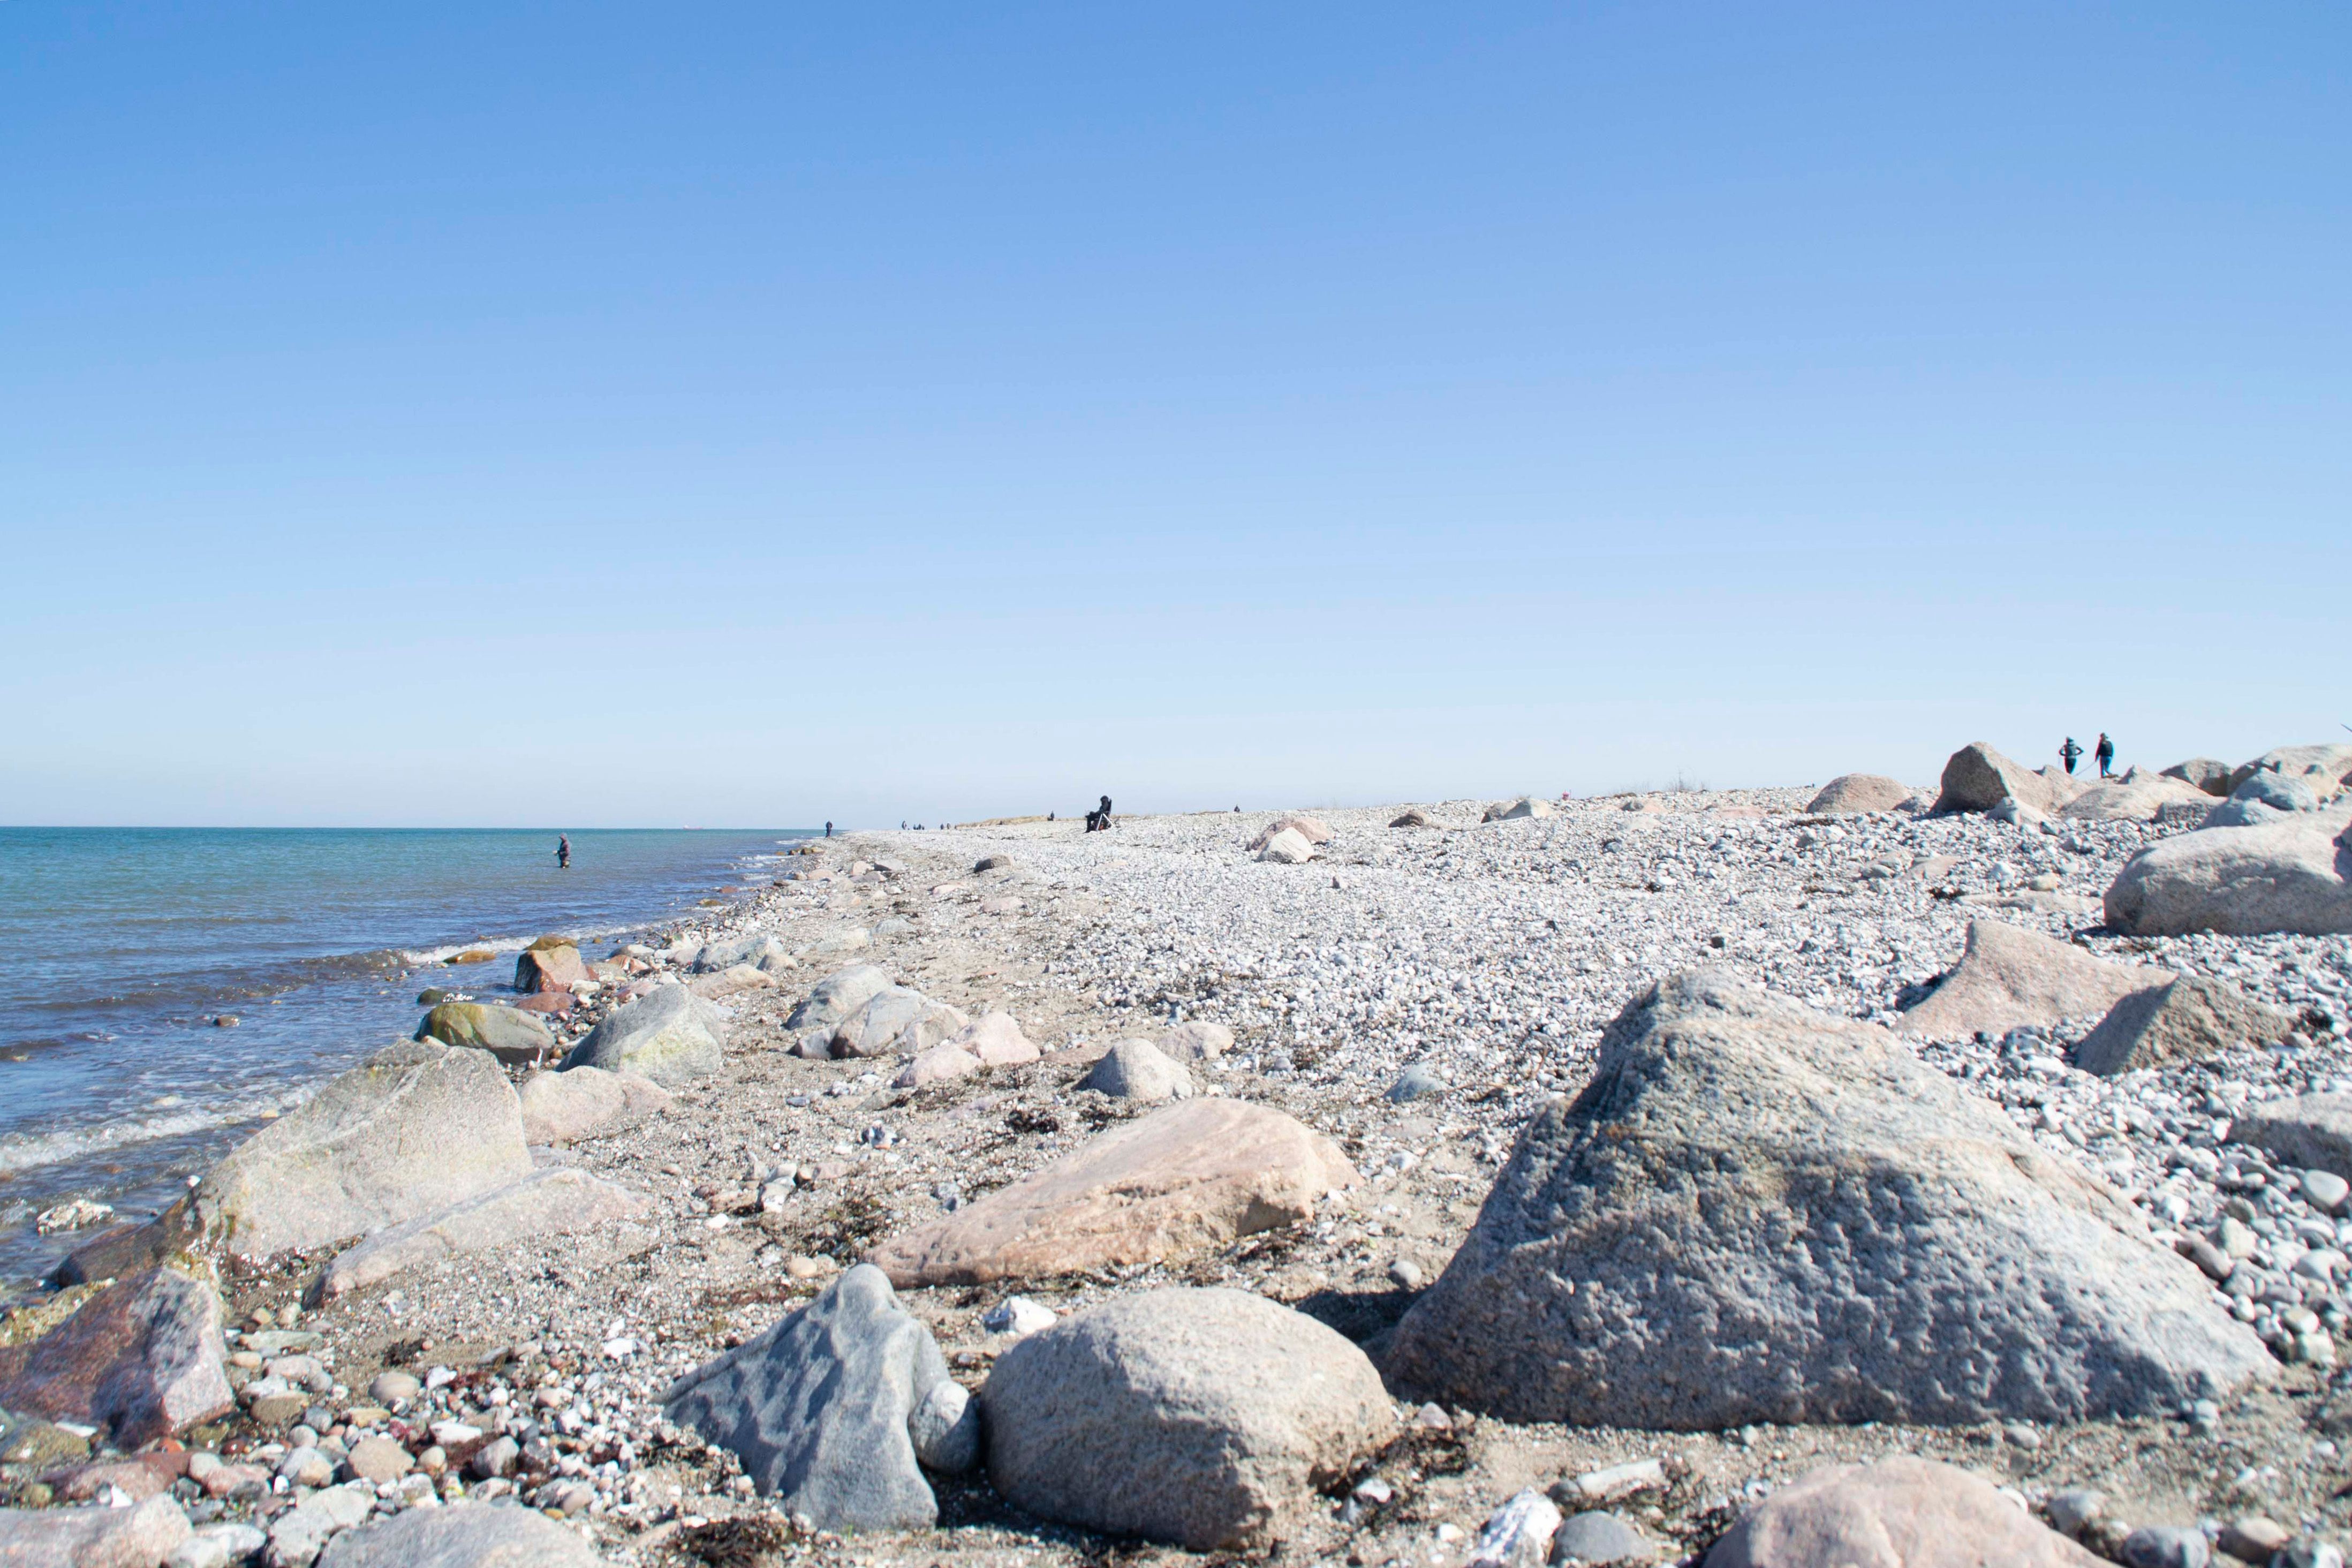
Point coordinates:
[[563, 853]]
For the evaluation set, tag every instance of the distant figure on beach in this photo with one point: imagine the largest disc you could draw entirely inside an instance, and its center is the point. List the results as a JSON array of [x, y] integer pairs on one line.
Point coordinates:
[[2105, 753], [563, 853], [828, 827], [2069, 754], [1099, 818]]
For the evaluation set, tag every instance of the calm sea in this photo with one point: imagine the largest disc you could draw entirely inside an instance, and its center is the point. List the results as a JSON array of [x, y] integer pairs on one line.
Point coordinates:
[[117, 947]]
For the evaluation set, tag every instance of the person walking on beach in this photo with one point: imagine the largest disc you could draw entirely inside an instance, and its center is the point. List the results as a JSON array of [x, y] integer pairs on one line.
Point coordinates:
[[2069, 754], [2105, 754], [828, 827], [563, 853]]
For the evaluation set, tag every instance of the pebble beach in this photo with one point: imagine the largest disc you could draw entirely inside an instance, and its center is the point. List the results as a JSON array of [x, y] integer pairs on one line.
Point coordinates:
[[1433, 1003]]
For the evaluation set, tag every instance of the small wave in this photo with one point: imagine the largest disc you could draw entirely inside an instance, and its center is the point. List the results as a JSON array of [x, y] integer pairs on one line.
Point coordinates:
[[21, 1151], [502, 945]]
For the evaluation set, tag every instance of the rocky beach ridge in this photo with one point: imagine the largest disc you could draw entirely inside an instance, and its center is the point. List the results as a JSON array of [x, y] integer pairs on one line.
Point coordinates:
[[1725, 1177]]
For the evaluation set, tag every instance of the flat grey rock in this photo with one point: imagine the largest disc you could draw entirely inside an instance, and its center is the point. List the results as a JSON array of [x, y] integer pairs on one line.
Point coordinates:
[[672, 1037], [1597, 1539], [2008, 978], [415, 1127], [817, 1407], [460, 1535], [2186, 1020], [1203, 1417], [836, 996], [585, 1101], [1756, 1212], [556, 1200], [2314, 1130]]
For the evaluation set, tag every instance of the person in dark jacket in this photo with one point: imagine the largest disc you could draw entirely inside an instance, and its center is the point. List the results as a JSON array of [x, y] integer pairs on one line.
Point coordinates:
[[2105, 753], [2069, 754]]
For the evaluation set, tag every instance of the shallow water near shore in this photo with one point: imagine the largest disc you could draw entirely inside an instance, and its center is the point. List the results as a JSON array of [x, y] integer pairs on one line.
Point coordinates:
[[124, 944]]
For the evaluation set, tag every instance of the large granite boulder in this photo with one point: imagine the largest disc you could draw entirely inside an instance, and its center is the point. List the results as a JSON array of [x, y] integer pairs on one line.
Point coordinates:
[[139, 1359], [1899, 1512], [817, 1407], [140, 1536], [2294, 875], [2185, 1019], [460, 1535], [671, 1036], [2210, 775], [1138, 1070], [1288, 847], [2139, 800], [1203, 1417], [1852, 794], [586, 1101], [1978, 778], [2008, 978], [556, 1200], [897, 1020], [1516, 811], [2330, 761], [511, 1035], [1756, 1212], [415, 1127], [838, 996], [1312, 829], [1160, 1187], [550, 964]]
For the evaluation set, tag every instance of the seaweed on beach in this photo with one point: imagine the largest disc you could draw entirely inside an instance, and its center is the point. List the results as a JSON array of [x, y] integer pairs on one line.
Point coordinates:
[[744, 1541]]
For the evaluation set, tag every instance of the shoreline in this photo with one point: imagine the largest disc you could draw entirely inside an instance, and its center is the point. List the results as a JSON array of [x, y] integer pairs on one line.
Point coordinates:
[[1490, 957]]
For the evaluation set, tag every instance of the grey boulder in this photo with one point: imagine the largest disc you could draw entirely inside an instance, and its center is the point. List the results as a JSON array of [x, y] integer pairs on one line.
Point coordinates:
[[2008, 978], [836, 996], [2328, 760], [2294, 875], [1204, 1417], [1977, 778], [1514, 811], [671, 1036], [460, 1535], [508, 1033], [1597, 1539], [1137, 1070], [2283, 791], [2186, 1020], [818, 1407], [2210, 775], [415, 1127], [897, 1020], [1852, 794], [1756, 1212]]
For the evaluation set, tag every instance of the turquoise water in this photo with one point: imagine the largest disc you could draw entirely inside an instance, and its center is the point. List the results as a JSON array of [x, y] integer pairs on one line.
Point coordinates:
[[121, 945]]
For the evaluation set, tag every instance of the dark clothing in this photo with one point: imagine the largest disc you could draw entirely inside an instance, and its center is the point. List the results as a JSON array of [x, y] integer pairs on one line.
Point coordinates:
[[2106, 754], [2069, 754], [562, 855]]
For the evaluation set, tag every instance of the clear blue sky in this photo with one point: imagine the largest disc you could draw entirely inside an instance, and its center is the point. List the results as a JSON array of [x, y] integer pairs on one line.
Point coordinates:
[[583, 414]]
